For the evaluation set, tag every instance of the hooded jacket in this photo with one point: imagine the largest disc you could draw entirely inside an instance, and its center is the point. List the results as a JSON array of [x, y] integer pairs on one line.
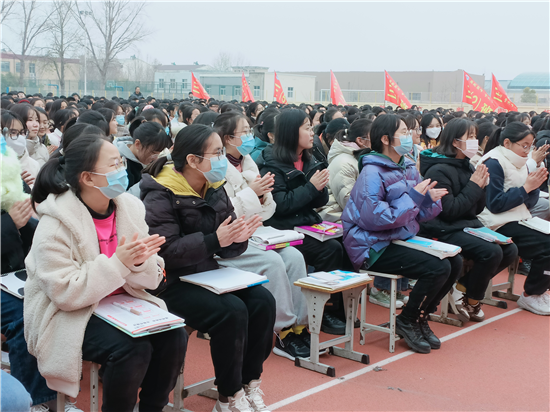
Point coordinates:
[[133, 166], [188, 221], [344, 172], [464, 201], [68, 276], [259, 146], [295, 196], [384, 206]]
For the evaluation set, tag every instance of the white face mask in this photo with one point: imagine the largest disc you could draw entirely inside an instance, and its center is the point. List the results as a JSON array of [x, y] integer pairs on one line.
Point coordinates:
[[18, 145], [472, 147], [433, 133]]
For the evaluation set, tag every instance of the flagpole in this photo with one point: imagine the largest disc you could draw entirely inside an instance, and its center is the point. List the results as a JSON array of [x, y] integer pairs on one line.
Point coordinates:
[[462, 100]]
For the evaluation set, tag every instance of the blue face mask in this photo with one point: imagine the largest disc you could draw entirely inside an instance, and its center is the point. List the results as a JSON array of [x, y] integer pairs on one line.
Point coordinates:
[[167, 130], [120, 119], [3, 146], [218, 169], [117, 183], [406, 145], [247, 144]]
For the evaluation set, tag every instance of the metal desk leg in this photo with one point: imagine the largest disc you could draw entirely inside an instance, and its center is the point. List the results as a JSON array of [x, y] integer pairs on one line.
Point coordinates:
[[351, 299], [94, 390]]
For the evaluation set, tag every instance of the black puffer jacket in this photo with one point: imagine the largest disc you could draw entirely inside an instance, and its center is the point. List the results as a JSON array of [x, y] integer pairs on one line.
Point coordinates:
[[294, 194], [464, 201], [188, 221]]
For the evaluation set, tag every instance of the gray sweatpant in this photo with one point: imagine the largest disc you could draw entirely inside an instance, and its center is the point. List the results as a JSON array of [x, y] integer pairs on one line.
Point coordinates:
[[282, 267]]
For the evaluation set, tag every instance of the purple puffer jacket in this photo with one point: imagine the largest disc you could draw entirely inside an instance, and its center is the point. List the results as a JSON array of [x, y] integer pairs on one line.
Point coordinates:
[[383, 206]]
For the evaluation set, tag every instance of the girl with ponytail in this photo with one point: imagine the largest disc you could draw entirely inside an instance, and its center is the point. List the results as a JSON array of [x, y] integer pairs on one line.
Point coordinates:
[[92, 242]]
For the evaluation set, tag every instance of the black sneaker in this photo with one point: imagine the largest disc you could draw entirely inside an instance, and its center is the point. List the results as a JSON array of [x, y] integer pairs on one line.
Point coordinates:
[[305, 336], [332, 325], [428, 334], [291, 347], [524, 267], [410, 331]]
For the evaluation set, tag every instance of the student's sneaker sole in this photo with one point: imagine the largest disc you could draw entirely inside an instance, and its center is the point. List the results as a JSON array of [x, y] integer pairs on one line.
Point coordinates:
[[283, 354], [524, 306], [398, 303]]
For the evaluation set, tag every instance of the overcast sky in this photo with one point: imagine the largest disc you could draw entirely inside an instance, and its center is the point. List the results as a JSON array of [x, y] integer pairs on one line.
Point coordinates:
[[504, 38]]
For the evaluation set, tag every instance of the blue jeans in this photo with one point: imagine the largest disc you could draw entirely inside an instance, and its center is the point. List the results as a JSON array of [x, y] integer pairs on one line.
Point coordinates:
[[14, 397], [381, 283], [23, 364]]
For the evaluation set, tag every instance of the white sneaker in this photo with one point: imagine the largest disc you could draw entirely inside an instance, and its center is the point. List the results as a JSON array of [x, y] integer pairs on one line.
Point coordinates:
[[402, 298], [382, 298], [254, 395], [71, 406], [40, 408], [457, 295], [539, 304], [237, 403]]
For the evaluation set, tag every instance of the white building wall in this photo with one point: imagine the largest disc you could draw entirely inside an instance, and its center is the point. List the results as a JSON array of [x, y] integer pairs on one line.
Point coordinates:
[[303, 87]]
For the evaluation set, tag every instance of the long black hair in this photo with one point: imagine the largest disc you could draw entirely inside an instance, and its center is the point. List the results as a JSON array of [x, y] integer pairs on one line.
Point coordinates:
[[61, 174], [151, 136], [74, 132], [265, 123], [192, 139], [454, 130], [287, 136], [424, 123], [515, 132]]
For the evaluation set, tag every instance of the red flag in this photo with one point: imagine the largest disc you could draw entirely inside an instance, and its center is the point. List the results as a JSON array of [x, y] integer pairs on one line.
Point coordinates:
[[475, 95], [500, 97], [336, 95], [278, 92], [394, 94], [197, 89], [247, 94]]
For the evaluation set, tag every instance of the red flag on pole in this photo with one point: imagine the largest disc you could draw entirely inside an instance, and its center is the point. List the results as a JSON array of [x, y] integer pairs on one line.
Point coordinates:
[[336, 95], [197, 89], [247, 94], [278, 92], [394, 94], [500, 97], [473, 94]]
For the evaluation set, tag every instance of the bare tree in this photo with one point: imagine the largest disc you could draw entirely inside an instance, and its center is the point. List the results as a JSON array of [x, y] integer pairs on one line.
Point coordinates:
[[33, 25], [114, 26], [222, 62], [63, 39], [7, 6]]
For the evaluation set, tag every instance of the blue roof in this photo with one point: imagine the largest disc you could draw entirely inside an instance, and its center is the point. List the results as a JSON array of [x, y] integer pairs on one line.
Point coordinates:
[[539, 80]]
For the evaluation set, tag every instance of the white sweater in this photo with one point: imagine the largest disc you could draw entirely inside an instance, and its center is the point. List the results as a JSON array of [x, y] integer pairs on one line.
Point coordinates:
[[244, 199], [68, 276]]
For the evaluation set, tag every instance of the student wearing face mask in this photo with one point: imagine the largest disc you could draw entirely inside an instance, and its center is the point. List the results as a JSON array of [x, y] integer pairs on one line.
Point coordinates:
[[140, 149], [92, 242], [388, 203], [16, 137], [449, 165], [431, 126], [251, 194], [30, 117], [186, 202], [511, 192]]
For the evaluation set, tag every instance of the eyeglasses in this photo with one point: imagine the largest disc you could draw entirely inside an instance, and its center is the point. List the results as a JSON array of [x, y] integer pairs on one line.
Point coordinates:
[[417, 131], [13, 134], [118, 164], [239, 134], [526, 148], [219, 154]]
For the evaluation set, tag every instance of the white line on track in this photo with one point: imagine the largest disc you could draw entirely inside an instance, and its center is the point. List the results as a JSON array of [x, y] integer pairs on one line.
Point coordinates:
[[369, 368]]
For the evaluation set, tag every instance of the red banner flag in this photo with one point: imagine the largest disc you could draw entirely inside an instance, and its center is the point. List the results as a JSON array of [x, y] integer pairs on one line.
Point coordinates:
[[394, 94], [247, 94], [499, 95], [475, 95], [197, 89], [336, 95], [278, 92]]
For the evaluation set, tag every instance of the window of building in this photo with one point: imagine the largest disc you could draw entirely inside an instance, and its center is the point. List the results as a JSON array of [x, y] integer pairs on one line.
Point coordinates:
[[17, 67], [32, 68], [222, 90], [290, 93], [184, 84], [5, 67], [415, 96], [237, 91], [256, 91], [208, 89], [172, 83], [161, 83]]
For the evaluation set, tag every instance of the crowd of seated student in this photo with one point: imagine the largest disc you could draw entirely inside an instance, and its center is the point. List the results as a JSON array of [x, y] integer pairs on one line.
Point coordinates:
[[206, 182]]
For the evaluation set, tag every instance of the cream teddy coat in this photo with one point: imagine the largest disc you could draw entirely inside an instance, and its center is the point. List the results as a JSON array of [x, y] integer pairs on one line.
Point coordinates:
[[67, 277]]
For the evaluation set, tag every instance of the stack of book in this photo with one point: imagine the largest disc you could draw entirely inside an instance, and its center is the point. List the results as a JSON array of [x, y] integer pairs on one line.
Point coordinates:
[[322, 231], [431, 247], [269, 238]]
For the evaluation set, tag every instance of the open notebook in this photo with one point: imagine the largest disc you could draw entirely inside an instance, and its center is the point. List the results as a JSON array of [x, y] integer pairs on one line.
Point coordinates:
[[136, 317], [267, 235], [431, 247], [538, 224], [225, 280]]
